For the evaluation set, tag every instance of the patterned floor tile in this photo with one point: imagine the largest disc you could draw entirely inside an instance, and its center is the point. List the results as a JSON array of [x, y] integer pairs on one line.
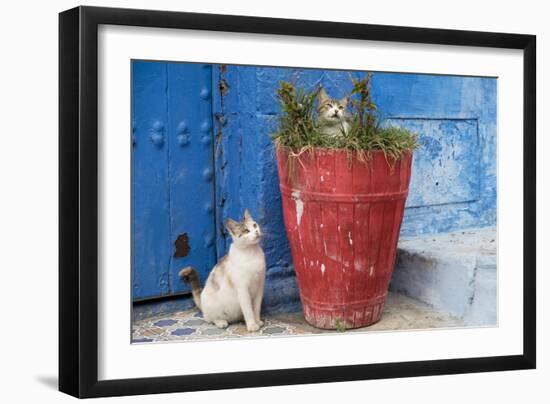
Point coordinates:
[[165, 323], [400, 313], [274, 330], [183, 331]]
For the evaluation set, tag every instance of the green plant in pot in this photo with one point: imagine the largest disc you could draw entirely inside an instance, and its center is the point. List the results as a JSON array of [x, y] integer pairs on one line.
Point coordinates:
[[344, 179]]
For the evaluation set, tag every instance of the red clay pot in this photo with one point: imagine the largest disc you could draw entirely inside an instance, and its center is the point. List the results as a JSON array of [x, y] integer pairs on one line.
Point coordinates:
[[343, 224]]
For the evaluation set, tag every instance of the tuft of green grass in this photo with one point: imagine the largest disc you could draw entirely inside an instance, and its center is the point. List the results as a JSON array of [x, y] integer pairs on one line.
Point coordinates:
[[299, 131], [340, 324]]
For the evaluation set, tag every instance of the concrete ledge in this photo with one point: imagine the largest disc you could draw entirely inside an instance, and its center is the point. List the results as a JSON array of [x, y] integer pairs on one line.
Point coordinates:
[[454, 272]]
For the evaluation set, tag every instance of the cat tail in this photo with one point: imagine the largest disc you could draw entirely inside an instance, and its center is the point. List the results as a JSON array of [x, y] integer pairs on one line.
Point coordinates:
[[191, 277]]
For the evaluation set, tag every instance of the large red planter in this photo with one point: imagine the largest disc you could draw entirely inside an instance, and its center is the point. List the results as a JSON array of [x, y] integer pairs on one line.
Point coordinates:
[[343, 225]]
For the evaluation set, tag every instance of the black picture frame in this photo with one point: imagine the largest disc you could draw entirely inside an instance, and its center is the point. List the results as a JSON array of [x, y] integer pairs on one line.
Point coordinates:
[[78, 201]]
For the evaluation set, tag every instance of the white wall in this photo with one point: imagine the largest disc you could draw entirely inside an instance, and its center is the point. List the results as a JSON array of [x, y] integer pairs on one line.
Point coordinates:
[[28, 213]]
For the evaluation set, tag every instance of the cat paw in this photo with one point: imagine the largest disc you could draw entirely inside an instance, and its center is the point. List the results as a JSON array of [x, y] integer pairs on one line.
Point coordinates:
[[221, 323], [253, 327], [261, 323]]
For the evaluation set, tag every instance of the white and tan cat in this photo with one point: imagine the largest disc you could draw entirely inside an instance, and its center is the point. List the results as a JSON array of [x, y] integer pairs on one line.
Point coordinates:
[[235, 287], [332, 116]]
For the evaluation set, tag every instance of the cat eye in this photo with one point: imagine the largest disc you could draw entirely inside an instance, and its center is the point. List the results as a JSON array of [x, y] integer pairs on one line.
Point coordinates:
[[255, 225], [341, 107], [246, 231]]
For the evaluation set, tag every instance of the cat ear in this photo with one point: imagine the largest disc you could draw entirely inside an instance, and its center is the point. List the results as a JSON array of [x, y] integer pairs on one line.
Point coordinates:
[[344, 101], [247, 216], [323, 96], [232, 226]]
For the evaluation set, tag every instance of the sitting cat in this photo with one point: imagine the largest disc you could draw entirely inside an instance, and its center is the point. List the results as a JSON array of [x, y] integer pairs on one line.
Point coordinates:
[[235, 287], [332, 120]]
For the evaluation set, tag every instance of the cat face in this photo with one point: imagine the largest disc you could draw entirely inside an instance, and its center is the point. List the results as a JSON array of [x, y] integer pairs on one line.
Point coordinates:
[[330, 109], [246, 232]]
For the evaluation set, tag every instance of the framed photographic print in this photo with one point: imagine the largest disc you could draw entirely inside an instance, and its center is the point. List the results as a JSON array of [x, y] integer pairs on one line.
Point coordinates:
[[251, 201]]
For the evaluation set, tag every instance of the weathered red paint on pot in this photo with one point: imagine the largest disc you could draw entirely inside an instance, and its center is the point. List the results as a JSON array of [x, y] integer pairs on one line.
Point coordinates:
[[343, 222]]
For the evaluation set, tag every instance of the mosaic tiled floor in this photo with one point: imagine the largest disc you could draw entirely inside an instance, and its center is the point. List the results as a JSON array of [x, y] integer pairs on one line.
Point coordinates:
[[400, 313]]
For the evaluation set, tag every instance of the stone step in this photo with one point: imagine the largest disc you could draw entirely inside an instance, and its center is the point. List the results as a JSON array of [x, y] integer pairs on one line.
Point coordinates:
[[453, 272]]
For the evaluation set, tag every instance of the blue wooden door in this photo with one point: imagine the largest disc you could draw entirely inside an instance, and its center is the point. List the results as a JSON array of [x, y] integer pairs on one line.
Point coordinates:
[[173, 201]]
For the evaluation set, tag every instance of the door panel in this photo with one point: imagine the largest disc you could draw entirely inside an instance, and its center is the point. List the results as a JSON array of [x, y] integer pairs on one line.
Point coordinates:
[[191, 169], [173, 218], [150, 194]]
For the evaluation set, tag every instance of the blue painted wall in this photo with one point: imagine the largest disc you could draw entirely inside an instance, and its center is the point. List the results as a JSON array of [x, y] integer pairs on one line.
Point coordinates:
[[453, 184]]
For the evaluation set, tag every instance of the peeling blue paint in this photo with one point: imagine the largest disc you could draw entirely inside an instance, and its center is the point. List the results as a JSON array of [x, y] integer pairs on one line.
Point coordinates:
[[446, 166]]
